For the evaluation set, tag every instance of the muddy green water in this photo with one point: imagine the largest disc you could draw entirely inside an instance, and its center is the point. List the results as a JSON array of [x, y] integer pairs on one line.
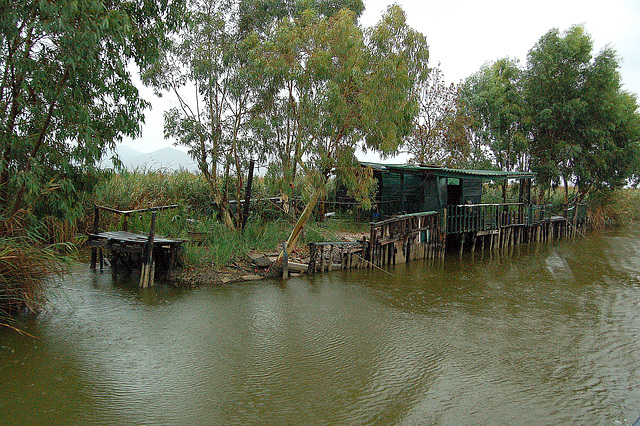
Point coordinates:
[[547, 334]]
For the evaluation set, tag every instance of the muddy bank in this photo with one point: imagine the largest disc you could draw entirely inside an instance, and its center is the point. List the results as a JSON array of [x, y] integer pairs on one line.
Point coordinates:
[[254, 266]]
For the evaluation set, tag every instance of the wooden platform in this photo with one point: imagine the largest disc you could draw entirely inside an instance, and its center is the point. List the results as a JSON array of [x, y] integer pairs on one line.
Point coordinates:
[[127, 249], [128, 241]]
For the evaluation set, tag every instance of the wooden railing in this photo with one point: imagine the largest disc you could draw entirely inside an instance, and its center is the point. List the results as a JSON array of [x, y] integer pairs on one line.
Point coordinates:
[[407, 237], [489, 217]]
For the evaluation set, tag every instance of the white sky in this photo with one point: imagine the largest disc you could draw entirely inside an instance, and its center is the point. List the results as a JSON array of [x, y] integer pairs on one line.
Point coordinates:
[[464, 34]]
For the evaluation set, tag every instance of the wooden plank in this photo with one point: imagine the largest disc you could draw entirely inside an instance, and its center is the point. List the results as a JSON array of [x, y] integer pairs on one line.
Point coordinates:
[[298, 267], [129, 237], [126, 212]]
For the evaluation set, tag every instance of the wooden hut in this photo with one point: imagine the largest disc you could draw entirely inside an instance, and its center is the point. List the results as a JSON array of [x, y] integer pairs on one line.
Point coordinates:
[[420, 188], [422, 211]]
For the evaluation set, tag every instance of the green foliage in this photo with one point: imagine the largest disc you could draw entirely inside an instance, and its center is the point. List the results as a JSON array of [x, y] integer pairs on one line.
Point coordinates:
[[494, 100], [262, 15], [144, 189], [66, 93], [26, 260], [222, 246], [585, 128], [131, 190]]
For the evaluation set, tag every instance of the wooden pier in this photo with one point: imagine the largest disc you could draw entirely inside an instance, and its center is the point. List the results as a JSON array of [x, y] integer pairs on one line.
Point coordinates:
[[430, 235], [129, 250]]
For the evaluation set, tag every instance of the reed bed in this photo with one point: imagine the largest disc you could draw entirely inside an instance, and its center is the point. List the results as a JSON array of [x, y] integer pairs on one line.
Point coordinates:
[[614, 208], [26, 261]]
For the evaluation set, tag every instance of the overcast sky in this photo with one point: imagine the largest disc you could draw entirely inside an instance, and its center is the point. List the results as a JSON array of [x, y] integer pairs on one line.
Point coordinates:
[[464, 34]]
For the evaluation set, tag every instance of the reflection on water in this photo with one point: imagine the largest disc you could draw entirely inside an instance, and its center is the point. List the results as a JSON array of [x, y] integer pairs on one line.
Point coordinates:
[[542, 334]]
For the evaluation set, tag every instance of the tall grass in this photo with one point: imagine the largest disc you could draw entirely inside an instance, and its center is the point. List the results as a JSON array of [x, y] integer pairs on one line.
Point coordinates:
[[223, 246], [26, 260], [614, 208], [143, 188]]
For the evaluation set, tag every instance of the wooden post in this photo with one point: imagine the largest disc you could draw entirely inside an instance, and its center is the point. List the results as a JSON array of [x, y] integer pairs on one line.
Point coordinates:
[[94, 250], [285, 263], [330, 259], [312, 259], [247, 194], [148, 267]]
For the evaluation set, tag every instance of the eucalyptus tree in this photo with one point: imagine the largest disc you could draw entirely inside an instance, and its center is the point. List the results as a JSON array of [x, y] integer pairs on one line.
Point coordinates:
[[585, 128], [494, 99], [281, 59], [357, 93], [207, 70], [66, 93], [261, 16], [277, 115]]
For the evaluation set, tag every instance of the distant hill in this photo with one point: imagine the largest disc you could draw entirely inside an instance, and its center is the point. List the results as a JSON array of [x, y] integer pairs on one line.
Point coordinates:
[[162, 159]]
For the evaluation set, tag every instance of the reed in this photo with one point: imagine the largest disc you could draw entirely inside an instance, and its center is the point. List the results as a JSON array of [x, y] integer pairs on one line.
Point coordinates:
[[222, 246], [614, 208], [141, 188], [26, 261]]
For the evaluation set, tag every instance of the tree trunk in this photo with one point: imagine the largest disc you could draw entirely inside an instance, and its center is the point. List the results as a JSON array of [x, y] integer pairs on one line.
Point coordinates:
[[302, 221], [504, 190]]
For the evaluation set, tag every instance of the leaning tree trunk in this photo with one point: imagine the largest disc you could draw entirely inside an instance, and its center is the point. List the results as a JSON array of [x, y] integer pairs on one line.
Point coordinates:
[[302, 220]]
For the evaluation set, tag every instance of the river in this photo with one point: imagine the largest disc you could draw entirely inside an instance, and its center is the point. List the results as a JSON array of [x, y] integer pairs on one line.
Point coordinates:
[[545, 334]]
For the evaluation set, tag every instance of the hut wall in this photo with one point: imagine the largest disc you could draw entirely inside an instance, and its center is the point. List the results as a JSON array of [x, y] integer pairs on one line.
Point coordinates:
[[431, 196], [413, 192], [471, 191]]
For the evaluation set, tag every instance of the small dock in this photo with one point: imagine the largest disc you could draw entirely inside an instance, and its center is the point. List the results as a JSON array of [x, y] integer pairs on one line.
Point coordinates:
[[129, 250], [128, 243]]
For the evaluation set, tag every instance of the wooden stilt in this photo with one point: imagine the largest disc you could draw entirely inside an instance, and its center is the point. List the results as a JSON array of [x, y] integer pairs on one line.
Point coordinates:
[[96, 221], [312, 259], [330, 259], [285, 263], [147, 258]]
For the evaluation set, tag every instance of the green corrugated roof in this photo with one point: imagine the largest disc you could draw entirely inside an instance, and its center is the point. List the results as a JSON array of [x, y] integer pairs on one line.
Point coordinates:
[[447, 172]]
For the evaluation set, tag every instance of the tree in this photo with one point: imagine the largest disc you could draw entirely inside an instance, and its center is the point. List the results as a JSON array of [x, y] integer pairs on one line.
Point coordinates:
[[284, 82], [494, 99], [207, 69], [358, 92], [440, 134], [65, 89], [261, 16], [584, 126]]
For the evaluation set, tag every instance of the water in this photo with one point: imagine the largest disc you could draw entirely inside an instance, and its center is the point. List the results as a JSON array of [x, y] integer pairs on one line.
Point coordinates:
[[547, 334]]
